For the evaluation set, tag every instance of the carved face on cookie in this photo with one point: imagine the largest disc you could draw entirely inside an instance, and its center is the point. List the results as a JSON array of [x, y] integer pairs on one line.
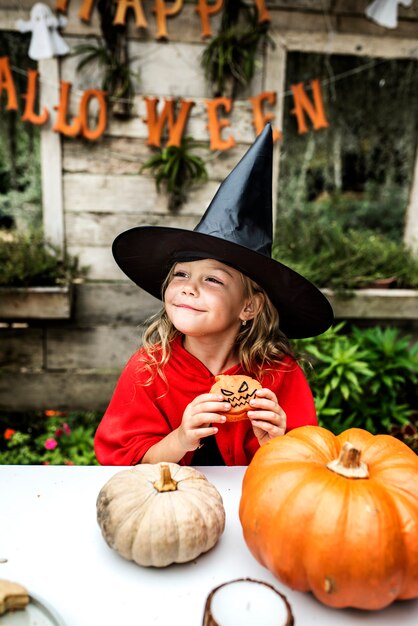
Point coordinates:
[[238, 391]]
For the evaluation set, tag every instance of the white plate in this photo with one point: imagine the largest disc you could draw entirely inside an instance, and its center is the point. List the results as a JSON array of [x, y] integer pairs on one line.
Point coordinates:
[[37, 613]]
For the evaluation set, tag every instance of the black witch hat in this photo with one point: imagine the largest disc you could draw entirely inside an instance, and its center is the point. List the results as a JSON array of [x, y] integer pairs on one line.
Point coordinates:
[[236, 229]]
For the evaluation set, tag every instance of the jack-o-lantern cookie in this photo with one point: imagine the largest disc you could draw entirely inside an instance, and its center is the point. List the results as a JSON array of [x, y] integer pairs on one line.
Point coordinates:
[[238, 391]]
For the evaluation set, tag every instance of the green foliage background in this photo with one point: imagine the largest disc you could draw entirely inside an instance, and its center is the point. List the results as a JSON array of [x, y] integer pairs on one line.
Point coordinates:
[[343, 190], [20, 170]]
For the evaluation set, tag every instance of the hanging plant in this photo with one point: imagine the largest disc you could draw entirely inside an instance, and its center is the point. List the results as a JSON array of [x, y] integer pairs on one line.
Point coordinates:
[[110, 53], [229, 60], [177, 169]]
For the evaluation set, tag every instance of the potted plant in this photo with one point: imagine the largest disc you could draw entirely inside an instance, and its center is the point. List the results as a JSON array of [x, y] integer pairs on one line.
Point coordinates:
[[364, 272], [35, 280], [177, 169], [229, 60]]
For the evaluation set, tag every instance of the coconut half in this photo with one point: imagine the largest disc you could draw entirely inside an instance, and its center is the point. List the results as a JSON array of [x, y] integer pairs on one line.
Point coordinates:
[[247, 602]]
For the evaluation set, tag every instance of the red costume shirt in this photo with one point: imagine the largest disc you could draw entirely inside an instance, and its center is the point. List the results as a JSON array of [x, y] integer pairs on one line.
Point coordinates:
[[139, 415]]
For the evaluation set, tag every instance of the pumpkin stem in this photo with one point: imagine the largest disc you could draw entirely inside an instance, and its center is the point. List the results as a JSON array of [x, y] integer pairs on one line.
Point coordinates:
[[165, 483], [348, 464]]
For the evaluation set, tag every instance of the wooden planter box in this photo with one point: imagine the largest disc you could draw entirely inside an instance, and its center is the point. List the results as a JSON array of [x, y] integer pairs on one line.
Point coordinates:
[[29, 303], [378, 304]]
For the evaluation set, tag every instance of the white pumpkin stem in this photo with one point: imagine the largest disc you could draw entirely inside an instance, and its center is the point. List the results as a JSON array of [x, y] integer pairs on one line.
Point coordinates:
[[348, 464], [166, 482]]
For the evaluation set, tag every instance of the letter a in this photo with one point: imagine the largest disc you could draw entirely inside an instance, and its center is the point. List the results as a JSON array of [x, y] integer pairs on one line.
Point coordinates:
[[6, 82]]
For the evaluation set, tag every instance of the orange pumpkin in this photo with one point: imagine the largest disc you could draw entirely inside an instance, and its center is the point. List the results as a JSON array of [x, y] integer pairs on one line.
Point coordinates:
[[324, 520]]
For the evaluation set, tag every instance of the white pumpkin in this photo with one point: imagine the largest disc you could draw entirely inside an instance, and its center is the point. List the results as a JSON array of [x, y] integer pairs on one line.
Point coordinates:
[[158, 514]]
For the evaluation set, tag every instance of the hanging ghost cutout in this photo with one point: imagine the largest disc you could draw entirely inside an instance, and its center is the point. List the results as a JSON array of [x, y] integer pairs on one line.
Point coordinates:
[[46, 41], [385, 12]]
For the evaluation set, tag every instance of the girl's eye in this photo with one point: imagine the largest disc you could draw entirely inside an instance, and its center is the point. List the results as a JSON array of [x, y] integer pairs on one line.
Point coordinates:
[[179, 273], [212, 279]]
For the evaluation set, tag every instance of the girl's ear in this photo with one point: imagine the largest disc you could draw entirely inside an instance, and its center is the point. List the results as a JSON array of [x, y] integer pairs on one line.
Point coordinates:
[[252, 307]]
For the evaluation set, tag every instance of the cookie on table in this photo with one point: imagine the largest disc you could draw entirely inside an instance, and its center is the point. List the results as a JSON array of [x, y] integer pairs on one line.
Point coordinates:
[[238, 390], [13, 596]]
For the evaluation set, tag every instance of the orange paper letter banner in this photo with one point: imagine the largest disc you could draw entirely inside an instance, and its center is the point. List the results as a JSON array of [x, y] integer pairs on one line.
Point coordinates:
[[86, 131], [157, 122], [84, 13], [215, 124], [61, 126], [260, 118], [61, 5], [263, 14], [29, 114], [6, 82], [123, 6], [303, 105], [161, 12], [205, 10]]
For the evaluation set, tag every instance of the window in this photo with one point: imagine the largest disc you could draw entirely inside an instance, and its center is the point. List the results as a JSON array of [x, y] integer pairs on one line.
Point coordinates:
[[360, 168], [20, 164]]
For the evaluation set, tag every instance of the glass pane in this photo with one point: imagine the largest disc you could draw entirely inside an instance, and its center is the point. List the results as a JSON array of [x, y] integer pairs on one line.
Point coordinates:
[[356, 174], [20, 171]]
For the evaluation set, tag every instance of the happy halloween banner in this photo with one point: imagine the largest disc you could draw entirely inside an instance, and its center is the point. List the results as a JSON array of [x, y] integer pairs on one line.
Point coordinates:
[[161, 11], [170, 117]]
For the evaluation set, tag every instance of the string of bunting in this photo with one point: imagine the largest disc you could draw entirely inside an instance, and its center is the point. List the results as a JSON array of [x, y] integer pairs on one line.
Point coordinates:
[[172, 114], [156, 120]]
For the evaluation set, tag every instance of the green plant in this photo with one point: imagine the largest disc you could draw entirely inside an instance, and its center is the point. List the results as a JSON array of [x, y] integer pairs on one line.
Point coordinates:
[[118, 79], [54, 438], [26, 260], [332, 255], [231, 55], [408, 433], [366, 378], [178, 169]]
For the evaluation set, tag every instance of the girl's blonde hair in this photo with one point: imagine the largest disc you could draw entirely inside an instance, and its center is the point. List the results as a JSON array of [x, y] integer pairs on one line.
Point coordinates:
[[260, 342]]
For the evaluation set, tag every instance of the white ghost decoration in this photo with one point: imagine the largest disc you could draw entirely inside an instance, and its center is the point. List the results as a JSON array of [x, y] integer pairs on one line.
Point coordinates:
[[46, 41], [385, 12]]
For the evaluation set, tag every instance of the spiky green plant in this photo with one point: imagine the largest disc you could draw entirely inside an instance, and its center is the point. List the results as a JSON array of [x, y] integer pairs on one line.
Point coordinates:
[[177, 169], [118, 80], [231, 56]]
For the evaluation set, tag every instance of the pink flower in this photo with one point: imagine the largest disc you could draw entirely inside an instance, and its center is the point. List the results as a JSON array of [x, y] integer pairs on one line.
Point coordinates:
[[68, 463], [64, 430], [51, 444]]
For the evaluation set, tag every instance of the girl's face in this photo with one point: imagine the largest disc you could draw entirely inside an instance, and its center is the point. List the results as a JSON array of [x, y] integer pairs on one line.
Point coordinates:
[[206, 297]]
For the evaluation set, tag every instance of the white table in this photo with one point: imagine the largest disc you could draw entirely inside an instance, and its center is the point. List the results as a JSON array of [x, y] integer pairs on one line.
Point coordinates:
[[53, 545]]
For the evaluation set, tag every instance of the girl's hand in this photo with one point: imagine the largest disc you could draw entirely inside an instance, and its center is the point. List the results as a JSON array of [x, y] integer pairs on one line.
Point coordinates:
[[267, 417], [197, 419]]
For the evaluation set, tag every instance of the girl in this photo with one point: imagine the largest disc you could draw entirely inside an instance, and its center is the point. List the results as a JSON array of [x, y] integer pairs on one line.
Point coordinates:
[[227, 307]]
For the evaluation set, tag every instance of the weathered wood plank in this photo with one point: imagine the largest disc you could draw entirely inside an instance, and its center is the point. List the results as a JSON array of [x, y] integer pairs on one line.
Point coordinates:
[[127, 194], [125, 155], [90, 348], [379, 304], [90, 391], [411, 220], [21, 348], [342, 43], [26, 303], [97, 304], [100, 229], [51, 162]]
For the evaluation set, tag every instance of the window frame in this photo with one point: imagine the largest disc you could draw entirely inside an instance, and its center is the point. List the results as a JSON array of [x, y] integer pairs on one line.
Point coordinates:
[[347, 44]]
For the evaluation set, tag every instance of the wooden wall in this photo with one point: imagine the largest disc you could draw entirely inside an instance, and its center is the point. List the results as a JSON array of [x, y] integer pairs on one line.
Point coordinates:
[[94, 190]]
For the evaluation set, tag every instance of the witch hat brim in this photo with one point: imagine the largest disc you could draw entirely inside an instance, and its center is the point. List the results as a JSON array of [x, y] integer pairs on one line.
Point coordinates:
[[236, 229]]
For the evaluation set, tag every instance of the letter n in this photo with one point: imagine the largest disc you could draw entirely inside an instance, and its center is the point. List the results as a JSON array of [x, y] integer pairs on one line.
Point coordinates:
[[303, 105]]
